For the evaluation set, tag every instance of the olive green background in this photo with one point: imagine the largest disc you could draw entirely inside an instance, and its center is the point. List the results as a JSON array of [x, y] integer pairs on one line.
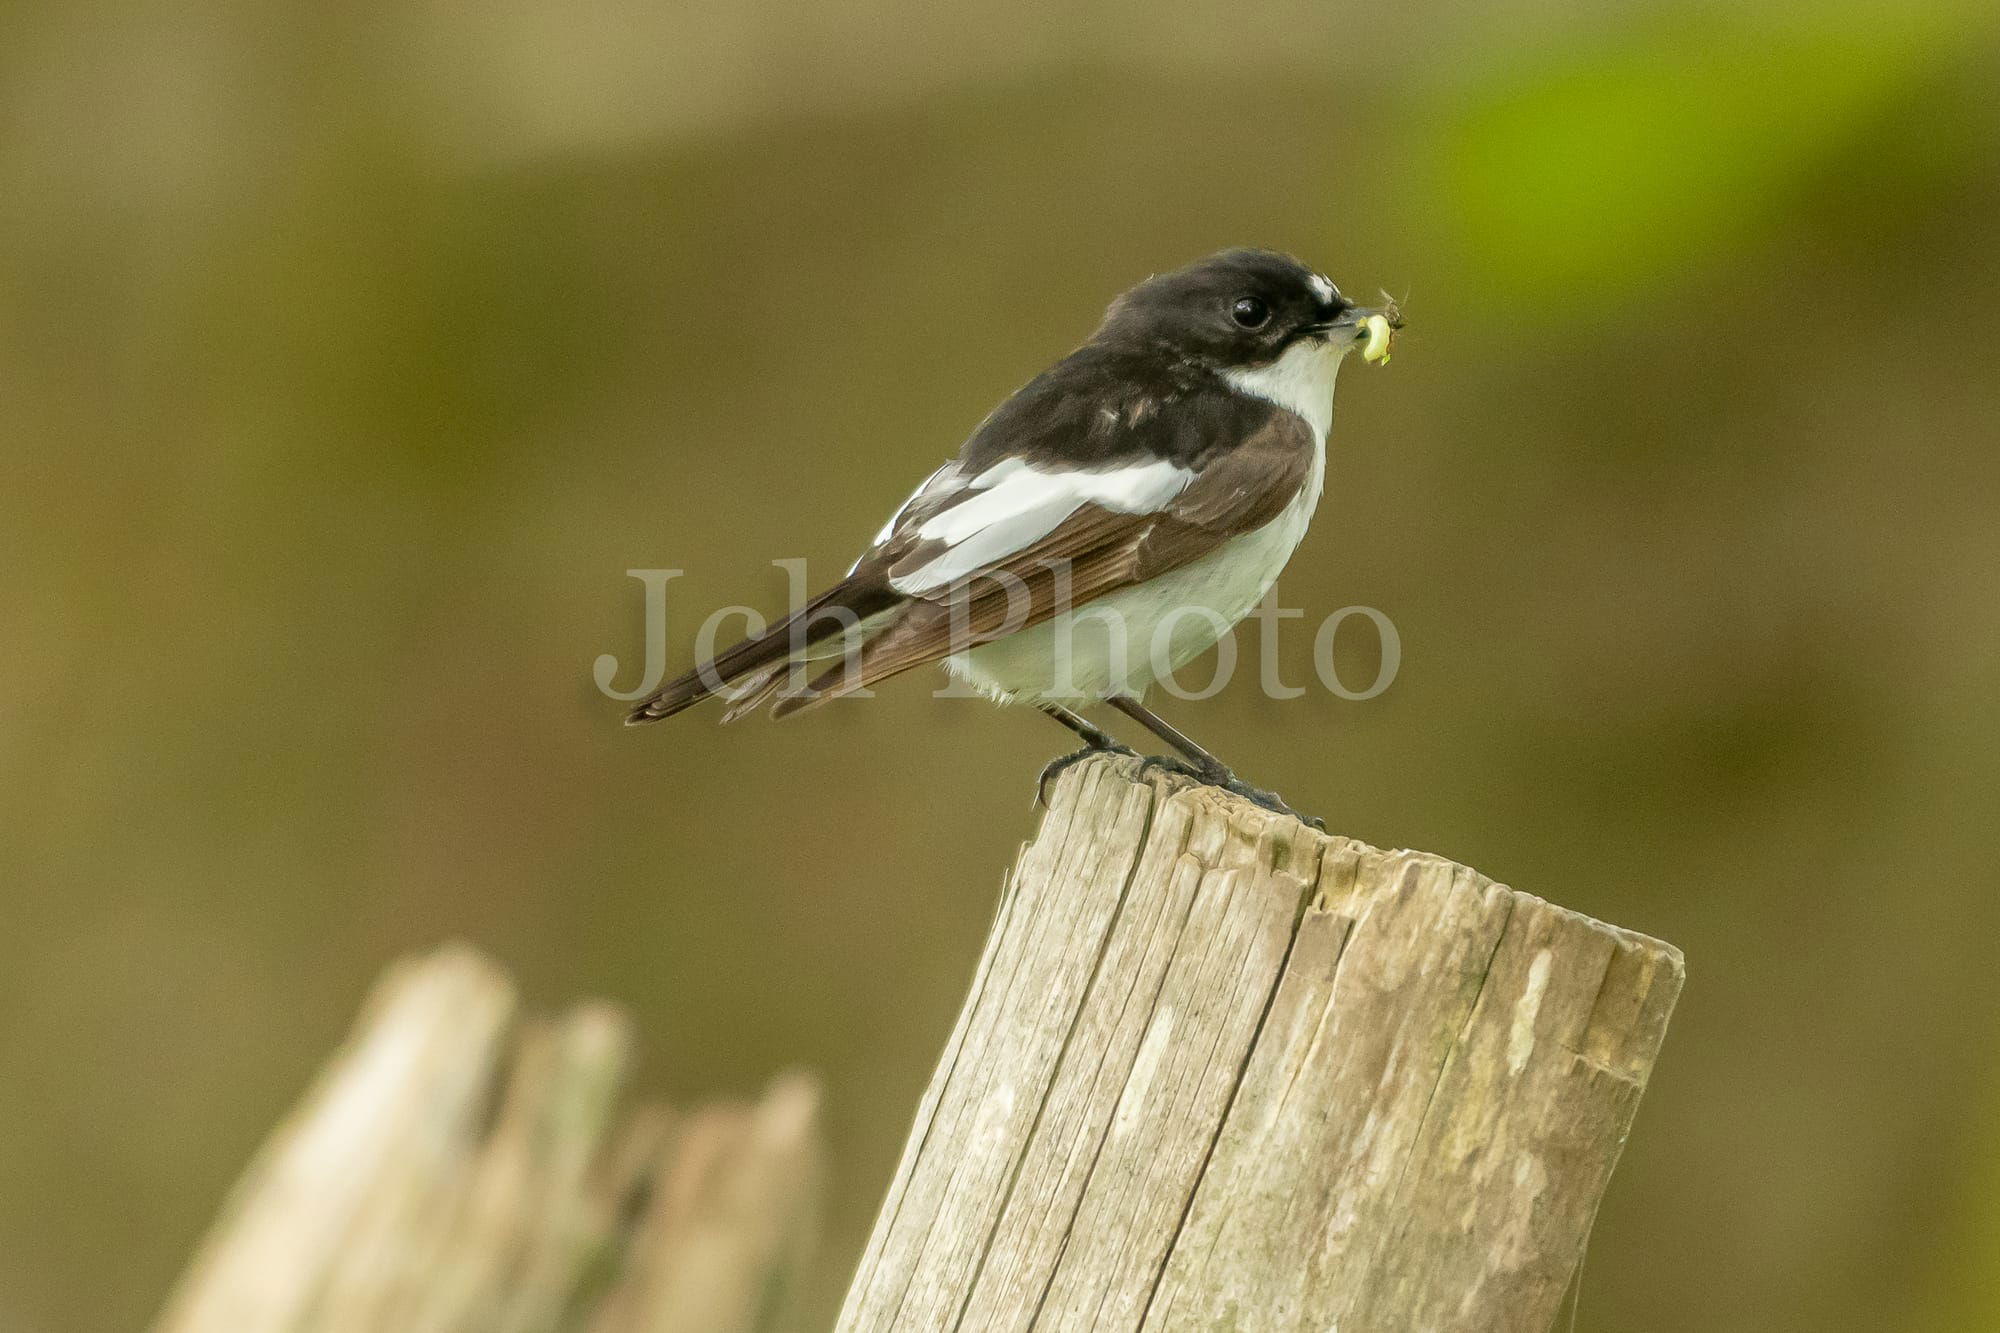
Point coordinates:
[[351, 353]]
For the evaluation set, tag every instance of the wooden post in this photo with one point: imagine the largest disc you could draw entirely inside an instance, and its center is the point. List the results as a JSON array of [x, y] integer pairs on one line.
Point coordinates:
[[411, 1193], [1219, 1071]]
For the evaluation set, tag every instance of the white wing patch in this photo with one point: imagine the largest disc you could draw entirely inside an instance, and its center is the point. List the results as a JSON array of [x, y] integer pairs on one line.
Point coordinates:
[[943, 481], [1020, 504]]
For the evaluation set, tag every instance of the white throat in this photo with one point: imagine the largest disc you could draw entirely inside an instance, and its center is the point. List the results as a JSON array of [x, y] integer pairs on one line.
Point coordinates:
[[1300, 380]]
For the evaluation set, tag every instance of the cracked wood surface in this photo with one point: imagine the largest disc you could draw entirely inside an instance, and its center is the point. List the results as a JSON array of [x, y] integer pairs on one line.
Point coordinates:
[[1219, 1071]]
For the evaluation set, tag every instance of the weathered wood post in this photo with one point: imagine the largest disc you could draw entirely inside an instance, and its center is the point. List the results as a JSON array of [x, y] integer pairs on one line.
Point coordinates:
[[452, 1173], [1219, 1071]]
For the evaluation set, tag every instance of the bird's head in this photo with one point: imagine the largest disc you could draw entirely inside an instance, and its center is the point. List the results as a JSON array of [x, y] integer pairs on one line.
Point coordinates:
[[1240, 309]]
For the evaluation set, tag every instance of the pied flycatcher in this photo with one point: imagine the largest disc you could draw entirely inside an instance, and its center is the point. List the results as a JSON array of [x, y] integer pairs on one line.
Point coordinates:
[[1105, 524]]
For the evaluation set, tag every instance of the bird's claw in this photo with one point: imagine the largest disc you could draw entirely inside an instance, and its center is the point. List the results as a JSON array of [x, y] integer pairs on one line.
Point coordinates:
[[1271, 801], [1206, 775], [1167, 763], [1229, 782], [1055, 767]]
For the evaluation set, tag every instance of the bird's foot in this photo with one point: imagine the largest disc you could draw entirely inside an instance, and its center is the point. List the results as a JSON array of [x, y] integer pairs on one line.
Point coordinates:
[[1271, 801], [1218, 776], [1056, 766], [1166, 763]]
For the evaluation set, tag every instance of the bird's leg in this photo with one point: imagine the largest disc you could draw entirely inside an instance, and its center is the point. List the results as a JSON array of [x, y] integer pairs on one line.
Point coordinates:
[[1095, 741], [1200, 765]]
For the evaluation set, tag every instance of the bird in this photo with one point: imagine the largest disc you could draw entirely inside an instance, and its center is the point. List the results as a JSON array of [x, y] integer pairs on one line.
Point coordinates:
[[1105, 524]]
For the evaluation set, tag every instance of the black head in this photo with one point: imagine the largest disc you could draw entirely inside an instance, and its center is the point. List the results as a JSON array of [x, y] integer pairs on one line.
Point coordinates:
[[1238, 308]]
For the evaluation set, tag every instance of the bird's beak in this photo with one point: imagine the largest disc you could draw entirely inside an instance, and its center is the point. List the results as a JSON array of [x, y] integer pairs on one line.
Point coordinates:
[[1354, 321]]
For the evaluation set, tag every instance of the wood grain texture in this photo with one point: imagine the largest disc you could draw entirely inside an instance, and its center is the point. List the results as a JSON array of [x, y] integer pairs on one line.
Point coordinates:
[[452, 1171], [1219, 1071]]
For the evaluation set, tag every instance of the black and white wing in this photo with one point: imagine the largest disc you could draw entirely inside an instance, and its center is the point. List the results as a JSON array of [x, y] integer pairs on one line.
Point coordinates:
[[1076, 487]]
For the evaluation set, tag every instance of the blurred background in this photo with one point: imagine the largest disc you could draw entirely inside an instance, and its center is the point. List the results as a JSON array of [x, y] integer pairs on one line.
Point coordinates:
[[350, 354]]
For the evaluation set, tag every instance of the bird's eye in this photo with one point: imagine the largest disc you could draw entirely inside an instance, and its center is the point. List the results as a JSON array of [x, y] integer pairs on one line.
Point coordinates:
[[1250, 313]]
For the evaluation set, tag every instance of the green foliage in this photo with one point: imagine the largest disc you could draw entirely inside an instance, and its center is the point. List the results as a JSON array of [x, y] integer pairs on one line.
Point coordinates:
[[1595, 166]]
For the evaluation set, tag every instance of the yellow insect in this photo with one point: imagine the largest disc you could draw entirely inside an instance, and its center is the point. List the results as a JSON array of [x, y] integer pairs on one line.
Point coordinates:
[[1379, 330]]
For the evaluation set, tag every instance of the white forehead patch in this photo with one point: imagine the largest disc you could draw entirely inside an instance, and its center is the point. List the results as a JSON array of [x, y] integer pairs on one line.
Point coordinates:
[[1322, 288]]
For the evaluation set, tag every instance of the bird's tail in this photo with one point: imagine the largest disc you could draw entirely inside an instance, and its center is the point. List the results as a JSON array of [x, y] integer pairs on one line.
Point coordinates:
[[835, 612]]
